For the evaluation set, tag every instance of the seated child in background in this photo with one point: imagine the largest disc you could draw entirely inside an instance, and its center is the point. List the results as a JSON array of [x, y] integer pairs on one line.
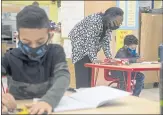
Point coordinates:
[[128, 51], [36, 69]]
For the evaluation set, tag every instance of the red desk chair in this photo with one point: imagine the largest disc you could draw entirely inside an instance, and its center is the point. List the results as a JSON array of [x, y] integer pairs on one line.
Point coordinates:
[[107, 77]]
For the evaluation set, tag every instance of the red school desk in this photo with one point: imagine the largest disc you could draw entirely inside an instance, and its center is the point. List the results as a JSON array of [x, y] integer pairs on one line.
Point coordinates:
[[136, 67]]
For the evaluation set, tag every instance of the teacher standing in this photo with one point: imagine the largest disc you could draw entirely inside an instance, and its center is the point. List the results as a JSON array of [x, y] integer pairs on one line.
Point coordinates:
[[88, 37]]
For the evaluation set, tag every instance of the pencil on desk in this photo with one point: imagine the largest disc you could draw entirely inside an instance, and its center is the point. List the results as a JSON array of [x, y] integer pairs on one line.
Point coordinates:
[[3, 88]]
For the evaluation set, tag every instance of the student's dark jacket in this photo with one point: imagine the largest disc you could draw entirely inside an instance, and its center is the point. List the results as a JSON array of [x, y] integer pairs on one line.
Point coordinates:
[[47, 78], [123, 53]]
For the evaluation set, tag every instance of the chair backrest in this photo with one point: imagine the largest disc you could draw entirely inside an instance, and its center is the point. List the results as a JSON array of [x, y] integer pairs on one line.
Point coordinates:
[[107, 75]]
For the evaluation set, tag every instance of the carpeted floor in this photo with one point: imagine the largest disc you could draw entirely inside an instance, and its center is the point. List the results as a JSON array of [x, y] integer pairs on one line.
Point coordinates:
[[151, 94]]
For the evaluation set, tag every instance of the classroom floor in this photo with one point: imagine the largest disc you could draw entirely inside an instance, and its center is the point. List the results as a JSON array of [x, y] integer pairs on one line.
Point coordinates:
[[150, 94]]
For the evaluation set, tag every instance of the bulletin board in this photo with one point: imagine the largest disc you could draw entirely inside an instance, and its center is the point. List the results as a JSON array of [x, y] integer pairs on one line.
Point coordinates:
[[131, 14], [15, 6]]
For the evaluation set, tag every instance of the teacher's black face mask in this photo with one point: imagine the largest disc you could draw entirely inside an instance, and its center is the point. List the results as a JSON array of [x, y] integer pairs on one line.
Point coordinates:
[[113, 27], [113, 23]]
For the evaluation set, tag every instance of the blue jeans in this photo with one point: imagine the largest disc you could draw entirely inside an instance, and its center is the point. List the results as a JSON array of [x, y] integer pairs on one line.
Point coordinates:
[[139, 83], [122, 76]]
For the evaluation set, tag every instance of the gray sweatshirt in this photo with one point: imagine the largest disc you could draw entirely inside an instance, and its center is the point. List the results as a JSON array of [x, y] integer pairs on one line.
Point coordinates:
[[47, 78]]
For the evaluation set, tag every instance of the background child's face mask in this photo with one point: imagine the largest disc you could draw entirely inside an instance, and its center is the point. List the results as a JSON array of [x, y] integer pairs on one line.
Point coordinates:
[[132, 51]]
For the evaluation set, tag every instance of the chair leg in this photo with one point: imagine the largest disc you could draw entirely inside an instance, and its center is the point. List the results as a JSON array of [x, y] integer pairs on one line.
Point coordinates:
[[133, 85], [112, 82], [118, 85]]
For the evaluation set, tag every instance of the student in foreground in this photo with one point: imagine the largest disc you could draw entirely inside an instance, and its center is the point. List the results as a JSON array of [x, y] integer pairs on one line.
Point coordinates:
[[36, 69], [128, 51]]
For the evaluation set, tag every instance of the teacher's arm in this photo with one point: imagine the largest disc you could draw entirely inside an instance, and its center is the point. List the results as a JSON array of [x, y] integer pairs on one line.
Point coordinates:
[[93, 33], [106, 46]]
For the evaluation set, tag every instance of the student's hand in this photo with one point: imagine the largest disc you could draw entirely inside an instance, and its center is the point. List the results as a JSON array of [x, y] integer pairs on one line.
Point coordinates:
[[39, 108], [4, 109], [8, 101], [140, 60]]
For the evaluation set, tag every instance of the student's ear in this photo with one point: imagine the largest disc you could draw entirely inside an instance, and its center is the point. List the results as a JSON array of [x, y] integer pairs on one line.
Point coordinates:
[[51, 34], [50, 37], [16, 35]]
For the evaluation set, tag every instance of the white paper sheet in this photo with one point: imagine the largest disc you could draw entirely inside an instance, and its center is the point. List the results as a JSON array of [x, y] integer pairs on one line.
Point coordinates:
[[99, 95], [89, 98], [71, 13], [146, 62], [67, 48], [68, 103]]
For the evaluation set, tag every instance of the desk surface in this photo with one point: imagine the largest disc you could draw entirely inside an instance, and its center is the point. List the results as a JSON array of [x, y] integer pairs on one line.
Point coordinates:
[[126, 105], [134, 67]]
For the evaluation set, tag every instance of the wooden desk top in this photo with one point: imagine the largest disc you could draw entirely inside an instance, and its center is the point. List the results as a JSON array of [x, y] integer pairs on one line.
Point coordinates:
[[126, 105], [133, 67]]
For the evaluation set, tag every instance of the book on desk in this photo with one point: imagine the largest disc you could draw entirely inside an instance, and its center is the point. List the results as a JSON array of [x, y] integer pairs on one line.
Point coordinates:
[[90, 98]]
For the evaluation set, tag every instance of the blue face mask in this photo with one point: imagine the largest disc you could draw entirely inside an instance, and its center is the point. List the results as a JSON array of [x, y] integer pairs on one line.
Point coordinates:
[[133, 52], [33, 53]]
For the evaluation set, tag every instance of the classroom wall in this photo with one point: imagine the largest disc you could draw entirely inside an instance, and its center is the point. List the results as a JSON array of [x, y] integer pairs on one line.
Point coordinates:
[[97, 6], [14, 6]]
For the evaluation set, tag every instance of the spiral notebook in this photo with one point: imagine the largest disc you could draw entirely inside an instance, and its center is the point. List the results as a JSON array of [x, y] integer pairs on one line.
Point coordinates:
[[90, 98]]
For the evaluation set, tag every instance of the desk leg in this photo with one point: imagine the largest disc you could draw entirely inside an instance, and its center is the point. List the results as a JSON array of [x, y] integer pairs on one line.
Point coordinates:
[[129, 81], [93, 78]]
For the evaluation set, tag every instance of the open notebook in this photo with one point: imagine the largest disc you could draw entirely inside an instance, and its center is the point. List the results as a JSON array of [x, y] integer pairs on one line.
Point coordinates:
[[90, 98], [146, 62]]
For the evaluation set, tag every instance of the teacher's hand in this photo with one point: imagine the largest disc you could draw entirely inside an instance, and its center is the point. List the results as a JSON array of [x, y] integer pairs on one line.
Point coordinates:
[[140, 60], [97, 61]]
